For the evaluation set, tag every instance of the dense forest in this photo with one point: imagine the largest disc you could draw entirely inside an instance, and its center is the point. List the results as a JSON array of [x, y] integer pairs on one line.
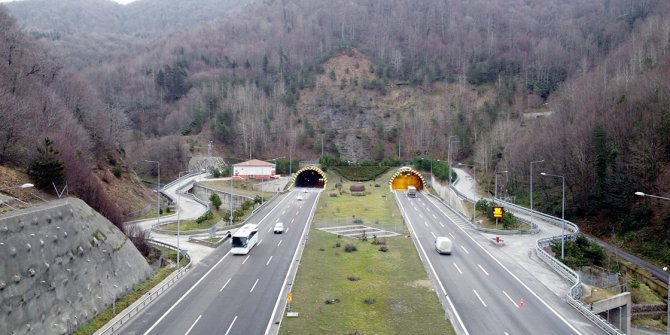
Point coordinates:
[[389, 78]]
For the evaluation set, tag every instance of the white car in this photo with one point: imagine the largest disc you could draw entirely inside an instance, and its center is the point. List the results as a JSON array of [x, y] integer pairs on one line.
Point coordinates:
[[299, 198], [279, 228]]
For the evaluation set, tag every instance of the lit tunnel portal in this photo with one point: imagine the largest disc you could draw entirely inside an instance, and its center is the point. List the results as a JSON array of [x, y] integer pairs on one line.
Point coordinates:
[[309, 178], [406, 177]]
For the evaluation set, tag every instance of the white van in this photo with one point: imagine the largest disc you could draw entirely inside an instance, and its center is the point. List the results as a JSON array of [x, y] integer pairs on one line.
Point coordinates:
[[443, 245], [279, 228]]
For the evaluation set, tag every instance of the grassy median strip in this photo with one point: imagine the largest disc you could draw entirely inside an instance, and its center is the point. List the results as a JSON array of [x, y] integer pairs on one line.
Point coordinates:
[[349, 286]]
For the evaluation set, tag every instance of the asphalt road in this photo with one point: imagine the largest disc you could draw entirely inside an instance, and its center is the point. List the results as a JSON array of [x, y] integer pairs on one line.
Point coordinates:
[[235, 294], [484, 297]]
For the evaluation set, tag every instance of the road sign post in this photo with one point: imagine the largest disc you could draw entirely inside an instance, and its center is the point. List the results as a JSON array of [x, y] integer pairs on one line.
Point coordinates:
[[498, 213]]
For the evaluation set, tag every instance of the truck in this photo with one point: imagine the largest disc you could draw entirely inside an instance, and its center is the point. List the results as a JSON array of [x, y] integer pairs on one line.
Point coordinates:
[[443, 245], [411, 191]]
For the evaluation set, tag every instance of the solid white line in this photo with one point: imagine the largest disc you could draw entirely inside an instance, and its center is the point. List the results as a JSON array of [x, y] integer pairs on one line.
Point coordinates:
[[433, 234], [425, 255], [253, 287], [278, 244], [462, 247], [457, 268], [479, 265], [266, 264], [226, 284], [245, 260], [514, 276], [193, 325], [510, 299], [185, 294], [231, 325], [478, 297], [452, 236]]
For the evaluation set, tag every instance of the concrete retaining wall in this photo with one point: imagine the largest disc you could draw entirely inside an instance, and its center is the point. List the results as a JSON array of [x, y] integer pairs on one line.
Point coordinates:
[[62, 263]]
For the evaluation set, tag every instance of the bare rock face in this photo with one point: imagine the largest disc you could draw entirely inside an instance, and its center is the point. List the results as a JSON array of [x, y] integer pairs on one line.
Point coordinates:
[[62, 263], [206, 163]]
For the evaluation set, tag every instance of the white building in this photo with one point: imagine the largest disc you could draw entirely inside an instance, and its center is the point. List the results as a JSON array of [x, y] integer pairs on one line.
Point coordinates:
[[254, 169]]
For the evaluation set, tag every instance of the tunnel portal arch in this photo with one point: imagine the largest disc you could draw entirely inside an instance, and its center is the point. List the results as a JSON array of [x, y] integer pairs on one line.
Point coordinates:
[[310, 176], [406, 176]]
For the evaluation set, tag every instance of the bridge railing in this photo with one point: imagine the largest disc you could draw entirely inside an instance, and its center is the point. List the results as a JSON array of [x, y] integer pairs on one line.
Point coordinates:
[[139, 305]]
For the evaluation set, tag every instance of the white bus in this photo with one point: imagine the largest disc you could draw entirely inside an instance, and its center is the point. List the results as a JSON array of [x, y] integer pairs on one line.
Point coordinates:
[[244, 239]]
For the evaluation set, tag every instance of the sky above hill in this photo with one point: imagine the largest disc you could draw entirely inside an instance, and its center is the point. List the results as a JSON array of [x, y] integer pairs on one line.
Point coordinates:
[[123, 2]]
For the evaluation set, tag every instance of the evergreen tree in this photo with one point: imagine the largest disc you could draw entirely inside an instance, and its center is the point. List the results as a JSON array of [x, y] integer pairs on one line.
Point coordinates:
[[47, 168]]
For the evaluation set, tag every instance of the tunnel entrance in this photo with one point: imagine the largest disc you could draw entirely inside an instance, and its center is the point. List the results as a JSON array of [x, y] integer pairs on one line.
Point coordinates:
[[310, 176], [406, 176]]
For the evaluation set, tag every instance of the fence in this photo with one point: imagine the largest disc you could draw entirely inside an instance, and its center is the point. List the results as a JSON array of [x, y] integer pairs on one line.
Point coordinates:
[[139, 305]]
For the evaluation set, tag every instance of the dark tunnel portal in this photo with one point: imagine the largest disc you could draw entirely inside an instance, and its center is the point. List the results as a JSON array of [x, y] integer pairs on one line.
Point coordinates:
[[309, 178]]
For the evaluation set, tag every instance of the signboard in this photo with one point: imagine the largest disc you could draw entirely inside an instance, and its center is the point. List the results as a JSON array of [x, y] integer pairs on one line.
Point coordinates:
[[498, 212], [289, 298]]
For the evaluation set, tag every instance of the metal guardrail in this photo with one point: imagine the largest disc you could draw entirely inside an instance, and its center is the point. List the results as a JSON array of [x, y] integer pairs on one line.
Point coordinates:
[[139, 305]]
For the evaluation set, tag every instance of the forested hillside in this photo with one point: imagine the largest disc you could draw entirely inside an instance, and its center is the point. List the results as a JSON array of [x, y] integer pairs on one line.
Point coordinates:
[[379, 79]]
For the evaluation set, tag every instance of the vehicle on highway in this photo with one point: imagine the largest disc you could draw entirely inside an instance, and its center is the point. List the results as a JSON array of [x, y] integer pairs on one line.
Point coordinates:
[[411, 191], [299, 198], [279, 228], [244, 239], [443, 245]]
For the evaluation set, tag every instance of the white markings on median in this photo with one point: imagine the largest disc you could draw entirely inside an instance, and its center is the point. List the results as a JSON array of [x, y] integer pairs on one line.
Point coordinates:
[[253, 287], [459, 270], [466, 250], [510, 299], [266, 264], [278, 244], [231, 325], [245, 260], [478, 297], [226, 284], [479, 265], [193, 325]]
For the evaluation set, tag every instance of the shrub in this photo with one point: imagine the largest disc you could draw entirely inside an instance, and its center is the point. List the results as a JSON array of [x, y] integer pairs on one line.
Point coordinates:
[[350, 248], [383, 248], [337, 245], [353, 278], [369, 301], [333, 195]]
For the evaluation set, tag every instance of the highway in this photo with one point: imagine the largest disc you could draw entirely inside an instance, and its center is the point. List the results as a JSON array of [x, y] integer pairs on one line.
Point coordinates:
[[484, 297], [236, 294]]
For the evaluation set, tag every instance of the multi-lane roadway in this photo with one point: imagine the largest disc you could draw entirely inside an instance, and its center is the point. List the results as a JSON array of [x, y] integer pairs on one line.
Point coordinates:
[[236, 294], [482, 295]]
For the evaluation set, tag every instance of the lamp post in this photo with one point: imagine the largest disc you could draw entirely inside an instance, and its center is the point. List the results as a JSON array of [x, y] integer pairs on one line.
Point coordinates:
[[178, 217], [562, 212], [231, 194], [474, 189], [158, 192], [665, 268], [449, 168], [531, 190]]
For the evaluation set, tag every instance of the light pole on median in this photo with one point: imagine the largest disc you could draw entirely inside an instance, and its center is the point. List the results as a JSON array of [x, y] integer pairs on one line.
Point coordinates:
[[449, 168], [562, 212], [495, 193], [532, 215], [474, 190], [158, 192]]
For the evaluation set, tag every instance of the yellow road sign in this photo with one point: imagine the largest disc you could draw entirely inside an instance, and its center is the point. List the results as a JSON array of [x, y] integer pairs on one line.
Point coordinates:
[[498, 212], [289, 298]]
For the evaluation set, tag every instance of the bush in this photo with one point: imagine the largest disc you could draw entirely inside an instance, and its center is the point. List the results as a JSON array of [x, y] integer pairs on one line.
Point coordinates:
[[337, 245], [369, 301], [207, 216], [353, 278], [350, 248], [383, 248]]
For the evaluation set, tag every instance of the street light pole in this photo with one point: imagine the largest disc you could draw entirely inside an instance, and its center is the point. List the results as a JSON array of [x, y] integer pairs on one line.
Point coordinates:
[[158, 193], [474, 190], [562, 212], [532, 215], [495, 193]]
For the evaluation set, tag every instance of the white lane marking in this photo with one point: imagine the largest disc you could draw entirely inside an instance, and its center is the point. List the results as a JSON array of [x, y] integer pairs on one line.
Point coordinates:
[[298, 212], [565, 321], [478, 297], [269, 229], [457, 268], [452, 236], [466, 250], [292, 220], [435, 217], [266, 264], [193, 325], [278, 244], [231, 325], [433, 234], [253, 287], [259, 242], [510, 299], [480, 266], [440, 222], [421, 216], [419, 246], [425, 223], [185, 294], [226, 284], [245, 260]]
